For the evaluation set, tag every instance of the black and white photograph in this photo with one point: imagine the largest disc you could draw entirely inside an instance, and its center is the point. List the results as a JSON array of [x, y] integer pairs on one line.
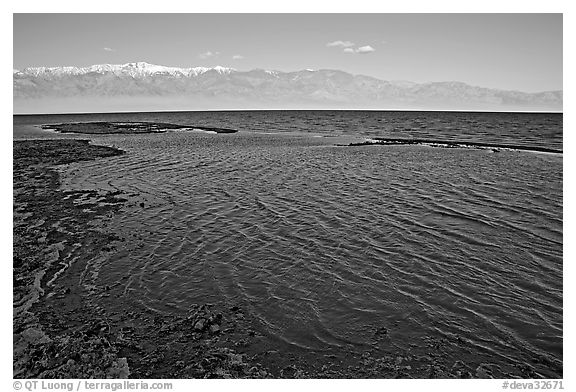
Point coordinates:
[[287, 196]]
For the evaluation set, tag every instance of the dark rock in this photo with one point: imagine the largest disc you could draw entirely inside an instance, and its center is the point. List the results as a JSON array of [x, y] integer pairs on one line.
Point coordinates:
[[460, 370], [200, 325], [483, 371], [291, 371]]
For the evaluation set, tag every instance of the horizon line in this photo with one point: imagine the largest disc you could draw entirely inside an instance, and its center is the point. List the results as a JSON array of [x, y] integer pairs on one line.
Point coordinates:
[[297, 110]]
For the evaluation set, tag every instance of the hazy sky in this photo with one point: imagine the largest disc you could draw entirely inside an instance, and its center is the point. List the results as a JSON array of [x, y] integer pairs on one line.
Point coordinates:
[[506, 51]]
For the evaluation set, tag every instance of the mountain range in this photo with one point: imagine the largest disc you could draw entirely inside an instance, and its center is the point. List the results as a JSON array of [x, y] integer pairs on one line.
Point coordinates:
[[147, 87]]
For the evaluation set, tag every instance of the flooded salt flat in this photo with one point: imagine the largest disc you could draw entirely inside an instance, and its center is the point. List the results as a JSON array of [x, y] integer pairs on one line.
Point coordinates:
[[326, 244]]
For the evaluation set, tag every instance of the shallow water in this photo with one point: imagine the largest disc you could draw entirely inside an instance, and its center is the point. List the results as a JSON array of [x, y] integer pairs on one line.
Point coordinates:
[[326, 244]]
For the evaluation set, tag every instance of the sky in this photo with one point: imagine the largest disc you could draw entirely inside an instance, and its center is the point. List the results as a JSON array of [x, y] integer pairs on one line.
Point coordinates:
[[505, 51]]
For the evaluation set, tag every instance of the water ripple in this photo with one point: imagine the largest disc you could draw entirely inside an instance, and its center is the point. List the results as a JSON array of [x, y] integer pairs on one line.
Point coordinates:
[[325, 244]]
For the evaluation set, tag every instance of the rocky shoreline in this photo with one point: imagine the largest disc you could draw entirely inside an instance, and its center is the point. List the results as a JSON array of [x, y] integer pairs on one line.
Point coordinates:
[[451, 144], [67, 324], [60, 328], [107, 128], [49, 229]]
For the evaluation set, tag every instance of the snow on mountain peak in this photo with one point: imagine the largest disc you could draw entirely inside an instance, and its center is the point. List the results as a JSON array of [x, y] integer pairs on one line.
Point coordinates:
[[136, 70], [223, 70], [272, 73]]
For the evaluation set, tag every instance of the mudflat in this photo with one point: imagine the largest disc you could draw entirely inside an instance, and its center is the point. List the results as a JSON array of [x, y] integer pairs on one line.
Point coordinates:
[[131, 127]]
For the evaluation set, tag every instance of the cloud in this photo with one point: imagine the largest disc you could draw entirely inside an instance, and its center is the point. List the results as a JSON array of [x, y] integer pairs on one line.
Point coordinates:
[[361, 50], [237, 57], [207, 55], [348, 47], [109, 49], [365, 49], [343, 44]]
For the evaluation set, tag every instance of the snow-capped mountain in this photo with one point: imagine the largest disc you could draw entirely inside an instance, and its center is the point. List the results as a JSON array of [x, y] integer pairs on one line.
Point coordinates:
[[141, 86], [135, 70]]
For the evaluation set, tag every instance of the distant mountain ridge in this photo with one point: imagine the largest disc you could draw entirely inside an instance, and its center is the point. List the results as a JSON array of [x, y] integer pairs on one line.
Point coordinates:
[[136, 70], [142, 86]]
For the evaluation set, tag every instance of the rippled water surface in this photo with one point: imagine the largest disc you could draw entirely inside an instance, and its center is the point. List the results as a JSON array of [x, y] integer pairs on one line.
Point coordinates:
[[325, 244]]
